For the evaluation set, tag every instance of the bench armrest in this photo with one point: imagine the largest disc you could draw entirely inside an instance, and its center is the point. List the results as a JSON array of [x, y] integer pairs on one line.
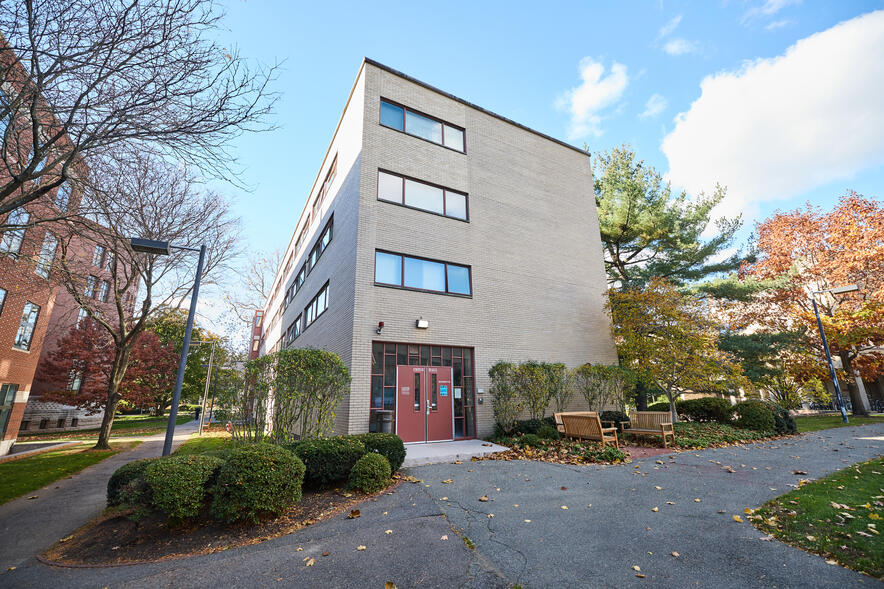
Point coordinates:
[[609, 429]]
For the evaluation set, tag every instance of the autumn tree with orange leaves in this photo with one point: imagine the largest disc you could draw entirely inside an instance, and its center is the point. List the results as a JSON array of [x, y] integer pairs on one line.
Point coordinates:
[[80, 367], [809, 250]]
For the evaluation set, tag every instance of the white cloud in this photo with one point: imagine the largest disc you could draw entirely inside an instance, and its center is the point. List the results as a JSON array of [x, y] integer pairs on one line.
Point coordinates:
[[596, 93], [654, 106], [669, 27], [768, 8], [779, 127], [778, 24], [680, 46]]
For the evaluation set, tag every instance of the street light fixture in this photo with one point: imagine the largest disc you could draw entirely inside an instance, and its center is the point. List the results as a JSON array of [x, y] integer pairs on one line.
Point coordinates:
[[163, 248], [819, 323]]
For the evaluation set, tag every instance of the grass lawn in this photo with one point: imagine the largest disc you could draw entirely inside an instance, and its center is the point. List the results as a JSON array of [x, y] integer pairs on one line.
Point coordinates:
[[29, 474], [208, 442], [812, 423], [124, 425], [836, 517]]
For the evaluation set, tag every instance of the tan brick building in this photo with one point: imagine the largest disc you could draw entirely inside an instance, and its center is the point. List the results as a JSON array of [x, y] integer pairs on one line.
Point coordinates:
[[438, 239]]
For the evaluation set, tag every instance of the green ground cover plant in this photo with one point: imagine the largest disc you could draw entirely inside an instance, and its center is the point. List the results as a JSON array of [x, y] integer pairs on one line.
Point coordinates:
[[837, 517], [704, 435]]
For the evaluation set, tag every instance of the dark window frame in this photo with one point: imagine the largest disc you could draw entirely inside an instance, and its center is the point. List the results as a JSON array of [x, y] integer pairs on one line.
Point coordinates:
[[404, 130], [294, 328], [411, 288], [308, 263], [324, 289], [444, 190], [326, 186], [26, 347]]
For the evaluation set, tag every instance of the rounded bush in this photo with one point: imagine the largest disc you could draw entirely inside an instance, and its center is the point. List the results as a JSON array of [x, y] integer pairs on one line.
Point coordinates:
[[661, 406], [548, 432], [389, 446], [180, 484], [127, 484], [705, 409], [370, 474], [530, 440], [754, 415], [784, 423], [329, 460], [257, 481]]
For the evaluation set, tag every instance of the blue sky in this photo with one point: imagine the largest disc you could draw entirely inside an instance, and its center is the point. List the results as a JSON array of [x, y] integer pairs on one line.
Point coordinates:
[[777, 130]]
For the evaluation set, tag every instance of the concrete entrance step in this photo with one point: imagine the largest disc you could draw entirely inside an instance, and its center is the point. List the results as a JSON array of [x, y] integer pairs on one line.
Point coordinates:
[[418, 454]]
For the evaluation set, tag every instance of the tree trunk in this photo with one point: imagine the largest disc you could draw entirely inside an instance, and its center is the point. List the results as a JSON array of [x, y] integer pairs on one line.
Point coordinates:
[[858, 398], [118, 371], [641, 397], [672, 407], [107, 423]]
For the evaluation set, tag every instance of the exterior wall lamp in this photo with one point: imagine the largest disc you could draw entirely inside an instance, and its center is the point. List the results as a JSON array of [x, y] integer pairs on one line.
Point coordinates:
[[422, 323], [380, 327]]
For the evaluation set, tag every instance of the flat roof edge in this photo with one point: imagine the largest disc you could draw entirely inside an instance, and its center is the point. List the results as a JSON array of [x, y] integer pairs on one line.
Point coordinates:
[[432, 88]]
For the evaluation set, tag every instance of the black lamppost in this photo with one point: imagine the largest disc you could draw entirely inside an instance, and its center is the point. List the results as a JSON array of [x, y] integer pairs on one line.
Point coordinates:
[[819, 323], [163, 248]]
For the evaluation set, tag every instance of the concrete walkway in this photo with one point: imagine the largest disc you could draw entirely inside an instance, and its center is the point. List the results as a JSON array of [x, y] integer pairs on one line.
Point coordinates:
[[436, 452], [28, 527], [582, 546]]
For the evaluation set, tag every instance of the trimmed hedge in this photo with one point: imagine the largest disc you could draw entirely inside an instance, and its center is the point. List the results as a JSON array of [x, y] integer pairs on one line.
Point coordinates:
[[127, 484], [179, 484], [328, 460], [755, 415], [548, 432], [705, 409], [389, 446], [529, 440], [661, 406], [256, 481], [783, 420], [371, 473]]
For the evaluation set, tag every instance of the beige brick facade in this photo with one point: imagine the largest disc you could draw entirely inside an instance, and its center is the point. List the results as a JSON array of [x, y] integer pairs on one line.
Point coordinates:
[[532, 242]]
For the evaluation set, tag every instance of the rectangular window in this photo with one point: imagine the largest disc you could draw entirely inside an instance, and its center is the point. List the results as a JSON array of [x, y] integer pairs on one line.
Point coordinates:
[[103, 291], [420, 125], [422, 274], [7, 399], [81, 317], [109, 261], [316, 307], [63, 197], [326, 186], [11, 240], [421, 195], [26, 327], [98, 256], [2, 299], [293, 331], [91, 283], [47, 254]]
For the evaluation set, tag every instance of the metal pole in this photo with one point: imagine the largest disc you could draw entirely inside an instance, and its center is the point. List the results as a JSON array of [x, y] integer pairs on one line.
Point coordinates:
[[212, 409], [182, 363], [206, 394], [829, 360]]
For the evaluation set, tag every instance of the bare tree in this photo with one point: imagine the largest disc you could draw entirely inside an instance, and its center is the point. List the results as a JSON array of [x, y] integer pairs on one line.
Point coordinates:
[[141, 195], [81, 77], [253, 287]]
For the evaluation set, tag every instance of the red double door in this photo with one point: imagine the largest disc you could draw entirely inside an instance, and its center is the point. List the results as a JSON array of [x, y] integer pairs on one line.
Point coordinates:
[[424, 407]]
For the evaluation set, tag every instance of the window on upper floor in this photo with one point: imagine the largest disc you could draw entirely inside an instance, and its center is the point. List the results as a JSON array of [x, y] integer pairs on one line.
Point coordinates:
[[47, 255], [7, 400], [293, 331], [420, 125], [89, 290], [98, 256], [326, 186], [316, 307], [11, 240], [417, 194], [311, 260], [25, 333], [422, 274], [103, 291], [2, 299], [109, 261], [63, 197], [82, 315]]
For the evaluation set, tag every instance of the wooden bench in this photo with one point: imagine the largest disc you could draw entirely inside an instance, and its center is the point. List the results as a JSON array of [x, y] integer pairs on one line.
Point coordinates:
[[558, 417], [651, 423], [586, 425]]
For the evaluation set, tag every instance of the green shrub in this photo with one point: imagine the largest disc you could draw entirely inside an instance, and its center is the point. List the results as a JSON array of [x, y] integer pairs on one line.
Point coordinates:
[[661, 406], [604, 454], [371, 473], [529, 440], [179, 484], [256, 481], [617, 417], [689, 434], [329, 460], [389, 446], [784, 423], [705, 409], [127, 484], [754, 415], [549, 432]]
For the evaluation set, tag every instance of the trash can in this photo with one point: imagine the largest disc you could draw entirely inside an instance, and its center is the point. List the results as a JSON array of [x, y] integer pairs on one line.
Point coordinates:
[[386, 417]]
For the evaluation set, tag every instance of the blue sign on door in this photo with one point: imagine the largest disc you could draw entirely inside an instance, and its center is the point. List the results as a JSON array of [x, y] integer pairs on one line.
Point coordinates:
[[443, 390]]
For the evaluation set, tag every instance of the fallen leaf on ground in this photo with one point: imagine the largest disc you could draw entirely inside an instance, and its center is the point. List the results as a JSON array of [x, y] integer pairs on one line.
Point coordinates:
[[326, 553], [33, 496], [636, 567], [676, 554], [527, 521], [799, 472], [444, 537], [354, 514], [564, 488], [299, 549], [564, 507], [483, 498], [658, 488], [811, 538], [768, 538], [448, 481], [490, 515], [310, 562], [697, 500], [388, 531], [748, 511], [738, 519], [444, 498], [390, 585], [640, 576], [670, 503], [655, 509], [360, 547]]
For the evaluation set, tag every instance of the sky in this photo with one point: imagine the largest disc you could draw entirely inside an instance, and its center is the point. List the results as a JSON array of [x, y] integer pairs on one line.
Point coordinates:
[[778, 100]]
